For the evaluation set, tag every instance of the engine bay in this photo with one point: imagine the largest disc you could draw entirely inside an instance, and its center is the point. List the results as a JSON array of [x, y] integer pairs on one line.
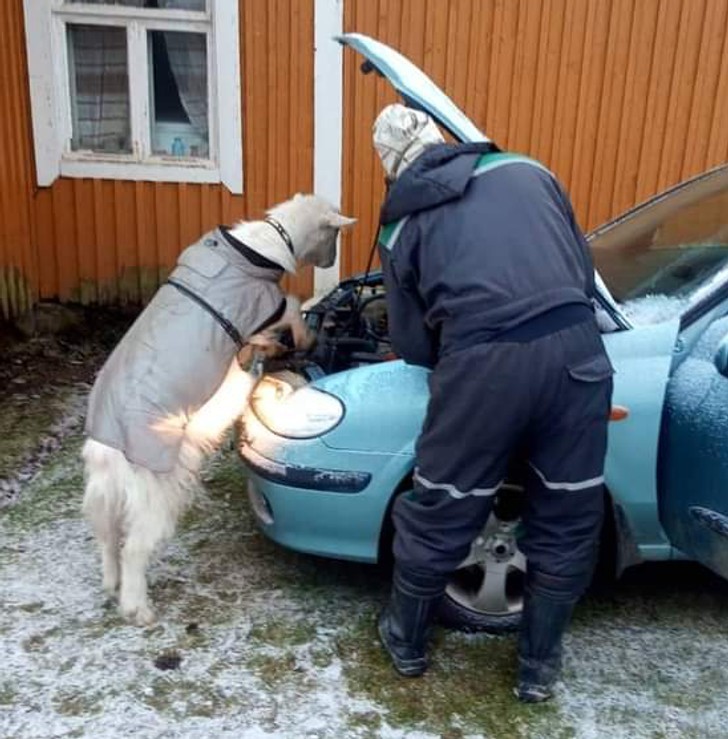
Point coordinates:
[[351, 328]]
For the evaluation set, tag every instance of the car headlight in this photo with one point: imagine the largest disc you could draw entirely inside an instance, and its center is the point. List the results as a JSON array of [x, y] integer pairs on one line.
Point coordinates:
[[295, 412]]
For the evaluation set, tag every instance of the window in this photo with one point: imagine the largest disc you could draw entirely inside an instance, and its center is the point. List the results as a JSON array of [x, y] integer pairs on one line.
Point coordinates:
[[666, 256], [136, 89]]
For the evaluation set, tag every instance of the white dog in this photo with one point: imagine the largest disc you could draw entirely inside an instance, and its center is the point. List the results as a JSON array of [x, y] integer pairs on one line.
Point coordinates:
[[174, 384]]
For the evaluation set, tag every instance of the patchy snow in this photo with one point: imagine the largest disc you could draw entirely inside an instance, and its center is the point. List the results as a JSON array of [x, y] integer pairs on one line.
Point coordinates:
[[664, 680], [274, 644], [74, 666], [71, 667]]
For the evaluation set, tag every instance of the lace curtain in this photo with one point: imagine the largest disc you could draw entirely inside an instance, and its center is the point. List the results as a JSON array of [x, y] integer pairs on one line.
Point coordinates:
[[187, 54]]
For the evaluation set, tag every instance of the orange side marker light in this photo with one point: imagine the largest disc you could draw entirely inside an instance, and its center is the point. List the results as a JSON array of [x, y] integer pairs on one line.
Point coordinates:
[[618, 413]]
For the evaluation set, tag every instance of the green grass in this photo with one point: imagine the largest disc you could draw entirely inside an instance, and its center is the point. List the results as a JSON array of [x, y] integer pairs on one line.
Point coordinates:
[[8, 693], [54, 495], [23, 424], [179, 697], [282, 632], [467, 689]]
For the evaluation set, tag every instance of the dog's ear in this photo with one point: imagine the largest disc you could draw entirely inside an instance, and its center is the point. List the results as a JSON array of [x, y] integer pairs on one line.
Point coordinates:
[[336, 220]]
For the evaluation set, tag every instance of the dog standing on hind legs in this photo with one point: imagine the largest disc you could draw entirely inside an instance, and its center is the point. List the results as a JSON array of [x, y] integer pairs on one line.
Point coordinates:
[[174, 385]]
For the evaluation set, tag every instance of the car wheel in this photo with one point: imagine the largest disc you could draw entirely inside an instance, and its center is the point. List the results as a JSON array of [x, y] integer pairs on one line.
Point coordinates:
[[486, 591]]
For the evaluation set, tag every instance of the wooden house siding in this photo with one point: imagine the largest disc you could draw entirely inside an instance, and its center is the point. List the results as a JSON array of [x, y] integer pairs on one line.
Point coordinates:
[[620, 98], [18, 261]]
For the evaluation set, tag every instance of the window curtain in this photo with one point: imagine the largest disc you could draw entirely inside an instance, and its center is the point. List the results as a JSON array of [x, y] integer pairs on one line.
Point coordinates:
[[100, 85], [187, 54]]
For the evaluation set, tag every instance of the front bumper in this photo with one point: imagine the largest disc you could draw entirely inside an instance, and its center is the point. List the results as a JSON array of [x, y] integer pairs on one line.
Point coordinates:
[[307, 478], [312, 498]]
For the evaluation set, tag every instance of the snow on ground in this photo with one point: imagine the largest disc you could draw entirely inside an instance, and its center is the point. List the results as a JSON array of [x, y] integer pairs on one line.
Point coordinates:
[[275, 644], [71, 667]]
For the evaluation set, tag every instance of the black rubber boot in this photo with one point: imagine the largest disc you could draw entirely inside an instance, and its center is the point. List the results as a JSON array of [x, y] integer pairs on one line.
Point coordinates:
[[547, 609], [404, 625]]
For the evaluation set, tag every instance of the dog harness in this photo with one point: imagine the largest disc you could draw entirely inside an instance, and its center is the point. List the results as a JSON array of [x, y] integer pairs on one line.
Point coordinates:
[[226, 325]]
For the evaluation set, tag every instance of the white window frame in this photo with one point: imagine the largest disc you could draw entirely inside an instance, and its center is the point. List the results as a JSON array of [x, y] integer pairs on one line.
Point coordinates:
[[47, 49]]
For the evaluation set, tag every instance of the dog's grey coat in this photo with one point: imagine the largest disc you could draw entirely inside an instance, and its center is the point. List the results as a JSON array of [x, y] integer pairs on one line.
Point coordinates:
[[176, 354]]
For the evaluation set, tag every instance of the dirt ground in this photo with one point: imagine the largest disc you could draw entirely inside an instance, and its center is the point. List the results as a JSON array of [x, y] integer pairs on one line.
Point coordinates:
[[256, 641], [38, 374]]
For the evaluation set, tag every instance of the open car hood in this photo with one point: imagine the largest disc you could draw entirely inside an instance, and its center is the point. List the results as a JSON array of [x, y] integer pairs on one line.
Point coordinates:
[[415, 87], [420, 92]]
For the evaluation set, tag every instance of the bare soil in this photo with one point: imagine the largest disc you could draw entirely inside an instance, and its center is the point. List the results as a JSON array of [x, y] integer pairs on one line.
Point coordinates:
[[39, 377]]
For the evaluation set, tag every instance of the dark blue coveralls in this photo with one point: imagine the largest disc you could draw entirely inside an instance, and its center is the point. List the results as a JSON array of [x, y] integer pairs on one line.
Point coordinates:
[[490, 282]]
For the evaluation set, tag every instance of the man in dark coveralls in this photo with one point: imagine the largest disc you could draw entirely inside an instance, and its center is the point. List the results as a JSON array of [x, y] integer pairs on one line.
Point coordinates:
[[490, 283]]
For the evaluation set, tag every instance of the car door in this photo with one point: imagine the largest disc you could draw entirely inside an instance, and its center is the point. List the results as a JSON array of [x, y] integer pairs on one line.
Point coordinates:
[[693, 470], [666, 263]]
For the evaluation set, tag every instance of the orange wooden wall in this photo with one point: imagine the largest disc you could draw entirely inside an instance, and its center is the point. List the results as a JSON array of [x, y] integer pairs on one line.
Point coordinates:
[[102, 240], [17, 177], [621, 98]]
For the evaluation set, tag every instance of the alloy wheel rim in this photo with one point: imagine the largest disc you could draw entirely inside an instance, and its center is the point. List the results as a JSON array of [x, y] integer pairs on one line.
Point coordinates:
[[490, 579]]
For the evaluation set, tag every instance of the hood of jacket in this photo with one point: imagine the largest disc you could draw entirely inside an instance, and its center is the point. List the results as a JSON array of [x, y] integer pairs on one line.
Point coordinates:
[[440, 174]]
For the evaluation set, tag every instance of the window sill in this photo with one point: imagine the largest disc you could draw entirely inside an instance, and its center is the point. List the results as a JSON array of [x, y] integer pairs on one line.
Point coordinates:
[[157, 169]]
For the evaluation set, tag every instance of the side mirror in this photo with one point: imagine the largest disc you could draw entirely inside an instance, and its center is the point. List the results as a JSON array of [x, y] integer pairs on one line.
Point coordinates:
[[721, 357]]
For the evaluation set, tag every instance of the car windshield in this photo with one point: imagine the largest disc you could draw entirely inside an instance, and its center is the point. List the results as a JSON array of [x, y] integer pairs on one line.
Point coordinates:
[[661, 259]]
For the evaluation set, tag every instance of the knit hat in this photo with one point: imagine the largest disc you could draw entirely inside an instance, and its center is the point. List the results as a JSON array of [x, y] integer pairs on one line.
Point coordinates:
[[400, 135]]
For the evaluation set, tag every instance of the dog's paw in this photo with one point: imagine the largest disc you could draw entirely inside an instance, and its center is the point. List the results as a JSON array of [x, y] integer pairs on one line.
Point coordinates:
[[145, 617], [139, 615]]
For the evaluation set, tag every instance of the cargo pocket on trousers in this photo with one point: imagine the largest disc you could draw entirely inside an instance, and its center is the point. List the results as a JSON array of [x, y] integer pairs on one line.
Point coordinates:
[[590, 389], [594, 369]]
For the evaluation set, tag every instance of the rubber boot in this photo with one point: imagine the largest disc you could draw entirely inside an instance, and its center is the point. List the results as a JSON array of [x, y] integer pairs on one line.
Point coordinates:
[[546, 615], [404, 625]]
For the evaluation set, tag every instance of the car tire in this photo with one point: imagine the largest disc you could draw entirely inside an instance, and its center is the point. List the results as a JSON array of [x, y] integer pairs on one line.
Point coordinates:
[[456, 611], [453, 615], [497, 547]]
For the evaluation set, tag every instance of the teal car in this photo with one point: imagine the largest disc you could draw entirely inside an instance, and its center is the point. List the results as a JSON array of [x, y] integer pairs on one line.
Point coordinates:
[[328, 438]]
